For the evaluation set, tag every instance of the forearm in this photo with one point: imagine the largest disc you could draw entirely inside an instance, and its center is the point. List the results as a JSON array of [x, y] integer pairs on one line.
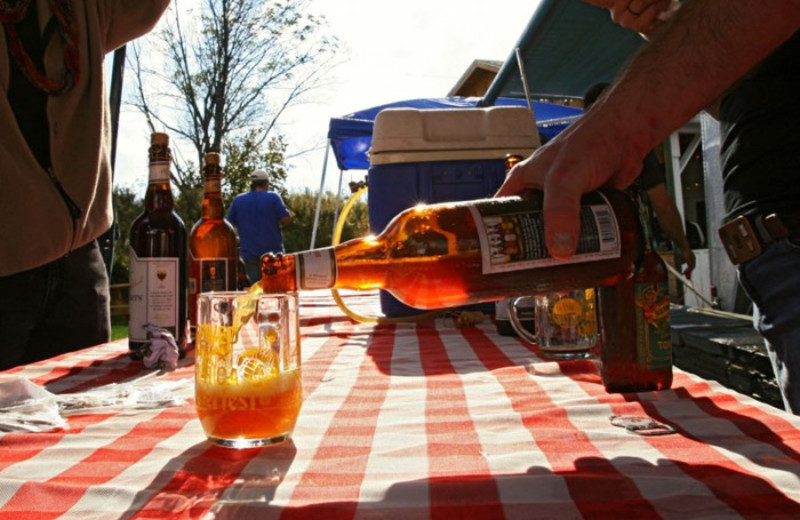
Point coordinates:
[[672, 224], [708, 46], [130, 19]]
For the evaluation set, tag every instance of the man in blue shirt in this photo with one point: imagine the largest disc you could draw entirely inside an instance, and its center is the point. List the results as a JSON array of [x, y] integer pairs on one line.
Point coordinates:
[[258, 215]]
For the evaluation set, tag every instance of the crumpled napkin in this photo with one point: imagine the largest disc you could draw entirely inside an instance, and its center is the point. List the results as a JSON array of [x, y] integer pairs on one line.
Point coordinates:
[[27, 407], [164, 350]]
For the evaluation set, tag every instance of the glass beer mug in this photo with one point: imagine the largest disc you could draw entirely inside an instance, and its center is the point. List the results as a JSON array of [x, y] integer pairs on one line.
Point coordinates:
[[248, 389], [566, 323]]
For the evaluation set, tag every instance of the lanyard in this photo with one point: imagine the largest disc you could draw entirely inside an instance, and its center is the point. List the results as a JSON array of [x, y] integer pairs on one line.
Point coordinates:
[[12, 12]]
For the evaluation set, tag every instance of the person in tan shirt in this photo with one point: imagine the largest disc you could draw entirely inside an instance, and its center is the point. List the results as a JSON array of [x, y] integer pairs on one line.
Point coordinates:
[[55, 146]]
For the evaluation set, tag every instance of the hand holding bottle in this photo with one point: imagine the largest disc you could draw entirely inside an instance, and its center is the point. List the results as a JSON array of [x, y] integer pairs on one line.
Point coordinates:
[[586, 156]]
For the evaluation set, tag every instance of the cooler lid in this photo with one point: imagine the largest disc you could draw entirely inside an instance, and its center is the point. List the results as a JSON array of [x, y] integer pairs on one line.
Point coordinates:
[[494, 128]]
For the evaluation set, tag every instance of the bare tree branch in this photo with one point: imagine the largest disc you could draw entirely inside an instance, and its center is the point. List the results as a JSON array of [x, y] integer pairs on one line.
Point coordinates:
[[221, 73]]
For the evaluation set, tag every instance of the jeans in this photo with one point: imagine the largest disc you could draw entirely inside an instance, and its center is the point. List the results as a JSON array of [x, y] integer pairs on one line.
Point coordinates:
[[253, 270], [56, 308], [773, 282]]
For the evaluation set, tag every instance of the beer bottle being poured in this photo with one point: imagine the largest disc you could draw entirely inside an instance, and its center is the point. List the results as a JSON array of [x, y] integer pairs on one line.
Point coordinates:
[[459, 253]]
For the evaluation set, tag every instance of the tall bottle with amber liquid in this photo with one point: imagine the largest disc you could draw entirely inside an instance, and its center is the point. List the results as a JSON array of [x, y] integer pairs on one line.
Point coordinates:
[[213, 243], [636, 345], [457, 253], [158, 259]]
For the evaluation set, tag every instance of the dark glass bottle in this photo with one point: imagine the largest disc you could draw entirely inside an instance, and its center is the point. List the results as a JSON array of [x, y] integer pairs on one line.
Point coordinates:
[[636, 345], [158, 259], [213, 243], [459, 253]]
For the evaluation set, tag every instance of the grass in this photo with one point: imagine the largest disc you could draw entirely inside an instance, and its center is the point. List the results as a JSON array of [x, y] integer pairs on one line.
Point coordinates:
[[119, 329]]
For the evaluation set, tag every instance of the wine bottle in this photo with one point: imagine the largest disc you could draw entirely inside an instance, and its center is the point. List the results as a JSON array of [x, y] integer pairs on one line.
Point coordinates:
[[213, 243], [158, 259], [456, 253], [636, 344]]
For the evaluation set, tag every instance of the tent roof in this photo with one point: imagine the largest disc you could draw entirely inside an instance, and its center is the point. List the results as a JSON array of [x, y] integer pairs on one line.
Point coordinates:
[[351, 135], [567, 47]]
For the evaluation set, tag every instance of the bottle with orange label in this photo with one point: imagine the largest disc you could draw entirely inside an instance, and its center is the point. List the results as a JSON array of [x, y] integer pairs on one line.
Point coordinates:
[[636, 343], [213, 243]]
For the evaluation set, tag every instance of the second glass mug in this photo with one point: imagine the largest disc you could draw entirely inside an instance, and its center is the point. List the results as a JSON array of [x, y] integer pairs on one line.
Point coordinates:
[[248, 386], [566, 323]]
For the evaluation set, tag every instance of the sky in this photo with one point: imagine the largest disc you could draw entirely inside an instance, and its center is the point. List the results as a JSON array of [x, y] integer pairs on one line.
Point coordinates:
[[390, 51]]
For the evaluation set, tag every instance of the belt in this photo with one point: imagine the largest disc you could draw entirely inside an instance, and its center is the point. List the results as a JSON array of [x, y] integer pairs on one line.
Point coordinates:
[[745, 236], [773, 227]]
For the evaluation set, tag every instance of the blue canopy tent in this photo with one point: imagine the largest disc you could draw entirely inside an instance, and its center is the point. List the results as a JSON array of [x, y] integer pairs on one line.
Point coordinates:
[[568, 46], [350, 136]]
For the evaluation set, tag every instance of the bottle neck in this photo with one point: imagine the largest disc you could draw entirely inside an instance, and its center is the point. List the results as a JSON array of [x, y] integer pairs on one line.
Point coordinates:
[[213, 207], [159, 192], [359, 263], [278, 273]]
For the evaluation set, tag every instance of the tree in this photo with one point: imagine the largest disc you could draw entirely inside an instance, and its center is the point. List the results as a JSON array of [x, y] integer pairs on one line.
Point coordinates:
[[297, 235], [128, 207], [246, 155], [220, 75]]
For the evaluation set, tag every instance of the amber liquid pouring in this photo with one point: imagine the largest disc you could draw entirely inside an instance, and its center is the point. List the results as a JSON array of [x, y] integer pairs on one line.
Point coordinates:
[[430, 257]]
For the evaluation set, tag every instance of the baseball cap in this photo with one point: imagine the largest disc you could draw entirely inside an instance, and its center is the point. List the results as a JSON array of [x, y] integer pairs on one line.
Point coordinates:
[[259, 175]]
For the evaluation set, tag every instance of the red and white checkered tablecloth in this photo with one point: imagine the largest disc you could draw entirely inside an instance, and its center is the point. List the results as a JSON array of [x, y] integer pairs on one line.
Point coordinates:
[[410, 421]]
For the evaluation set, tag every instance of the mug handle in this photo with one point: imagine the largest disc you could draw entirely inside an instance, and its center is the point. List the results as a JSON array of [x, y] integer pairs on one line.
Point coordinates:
[[513, 316]]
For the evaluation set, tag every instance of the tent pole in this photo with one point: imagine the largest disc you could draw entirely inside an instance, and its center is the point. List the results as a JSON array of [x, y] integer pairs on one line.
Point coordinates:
[[107, 240], [319, 195], [524, 76]]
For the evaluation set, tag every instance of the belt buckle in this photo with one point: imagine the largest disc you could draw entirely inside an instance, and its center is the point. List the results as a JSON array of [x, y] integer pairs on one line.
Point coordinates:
[[741, 240]]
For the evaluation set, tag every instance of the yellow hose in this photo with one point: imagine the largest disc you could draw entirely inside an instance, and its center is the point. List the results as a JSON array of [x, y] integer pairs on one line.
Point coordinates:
[[337, 235]]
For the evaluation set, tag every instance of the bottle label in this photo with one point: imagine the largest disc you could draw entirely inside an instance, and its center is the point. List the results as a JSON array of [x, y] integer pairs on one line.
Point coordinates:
[[654, 342], [316, 269], [153, 295], [209, 274], [512, 235], [159, 172]]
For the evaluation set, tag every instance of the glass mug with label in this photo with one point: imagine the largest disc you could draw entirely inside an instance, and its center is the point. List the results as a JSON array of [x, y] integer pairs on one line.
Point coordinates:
[[566, 323], [248, 388]]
